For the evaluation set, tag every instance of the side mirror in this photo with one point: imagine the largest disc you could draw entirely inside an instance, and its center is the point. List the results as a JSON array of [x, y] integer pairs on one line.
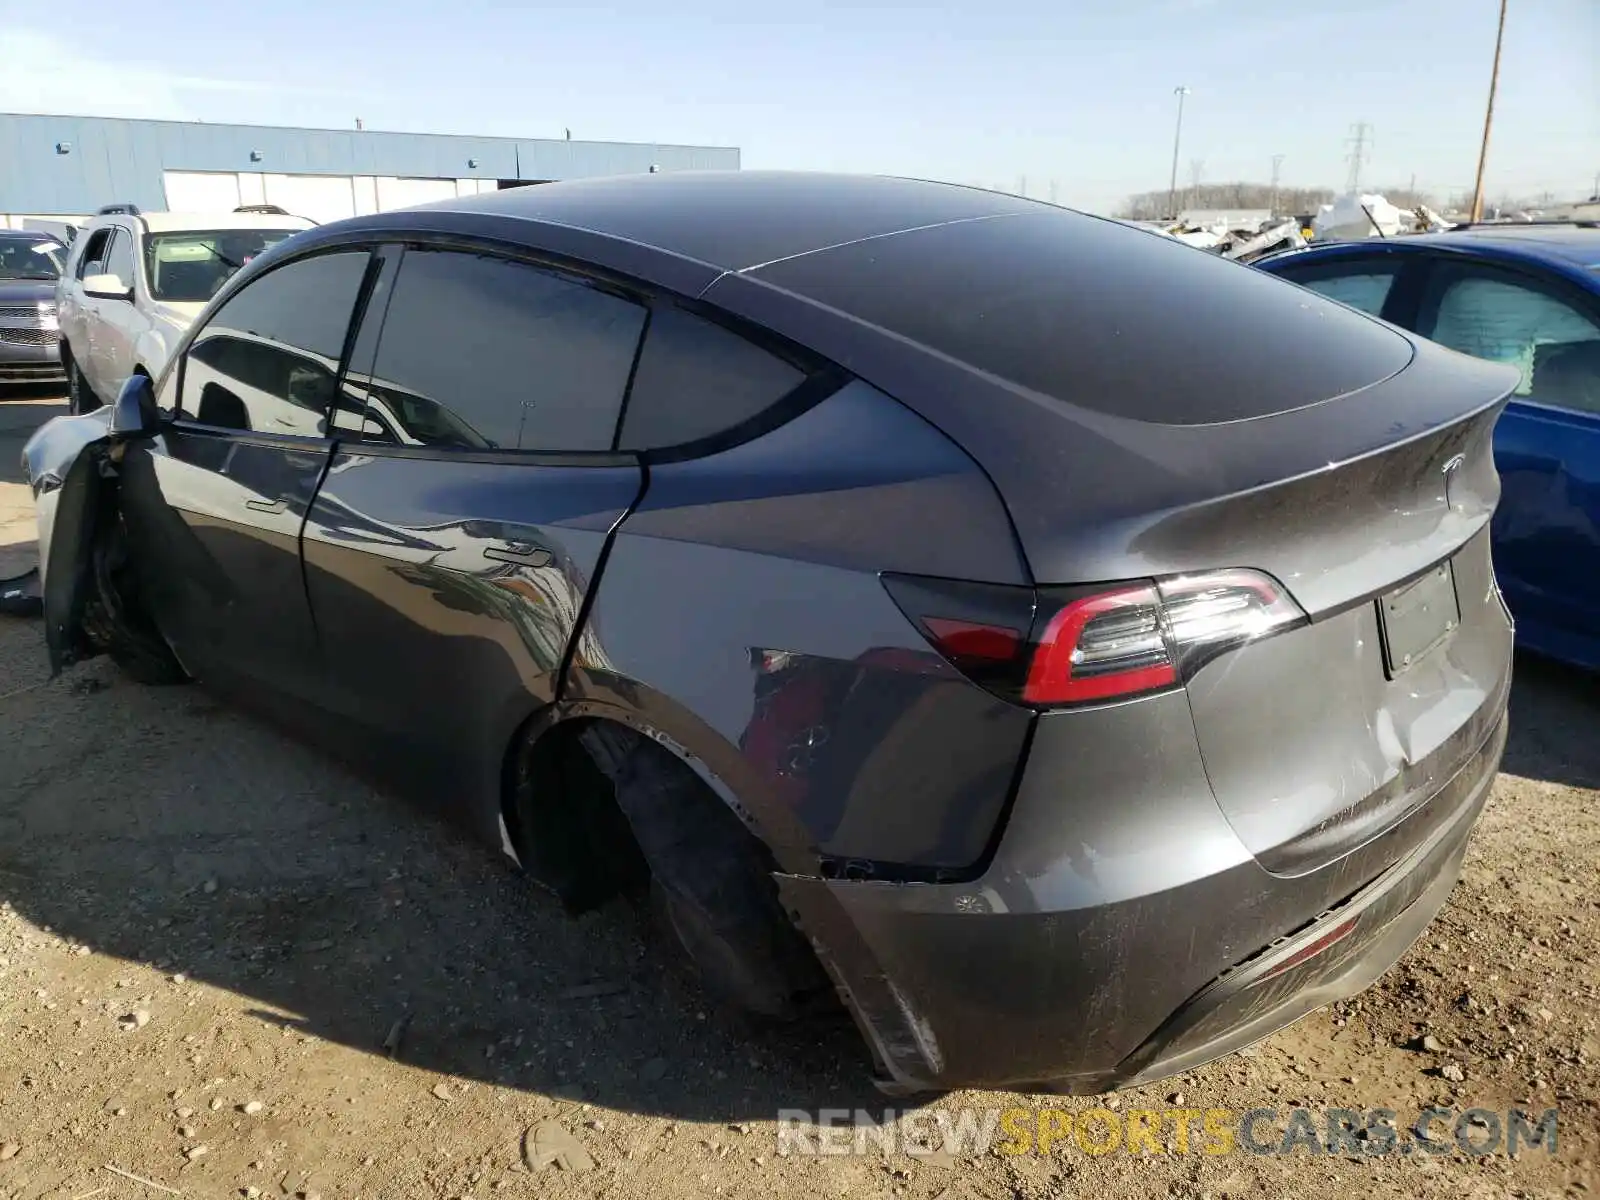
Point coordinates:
[[107, 287], [133, 412]]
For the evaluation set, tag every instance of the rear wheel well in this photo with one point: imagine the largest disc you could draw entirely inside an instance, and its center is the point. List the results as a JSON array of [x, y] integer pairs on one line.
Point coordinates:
[[558, 806], [594, 809]]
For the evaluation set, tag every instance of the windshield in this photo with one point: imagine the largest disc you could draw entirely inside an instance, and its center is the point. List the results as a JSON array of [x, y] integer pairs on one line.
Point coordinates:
[[31, 258], [192, 266]]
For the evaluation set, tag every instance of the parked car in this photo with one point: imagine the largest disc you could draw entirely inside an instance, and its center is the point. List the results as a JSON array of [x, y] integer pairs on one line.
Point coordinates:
[[29, 267], [1079, 654], [136, 280], [1528, 295]]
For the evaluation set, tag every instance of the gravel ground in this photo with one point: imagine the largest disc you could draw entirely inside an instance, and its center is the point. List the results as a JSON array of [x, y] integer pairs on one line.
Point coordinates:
[[208, 932]]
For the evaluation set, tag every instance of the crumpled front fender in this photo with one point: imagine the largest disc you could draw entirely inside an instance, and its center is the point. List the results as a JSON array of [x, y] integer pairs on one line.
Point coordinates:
[[69, 463]]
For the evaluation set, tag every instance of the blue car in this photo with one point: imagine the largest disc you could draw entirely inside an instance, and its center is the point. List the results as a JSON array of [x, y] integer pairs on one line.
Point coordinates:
[[1528, 295]]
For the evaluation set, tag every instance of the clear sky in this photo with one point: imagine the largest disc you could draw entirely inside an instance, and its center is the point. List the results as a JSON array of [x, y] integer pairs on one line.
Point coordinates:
[[1077, 94]]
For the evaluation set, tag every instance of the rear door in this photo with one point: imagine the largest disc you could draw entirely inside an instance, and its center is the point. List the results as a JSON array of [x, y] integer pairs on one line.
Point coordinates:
[[467, 508], [1547, 443], [215, 505]]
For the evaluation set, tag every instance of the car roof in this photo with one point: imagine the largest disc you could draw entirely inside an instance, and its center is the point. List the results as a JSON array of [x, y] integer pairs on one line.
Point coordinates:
[[1578, 243], [179, 222], [740, 220], [1566, 246], [32, 235]]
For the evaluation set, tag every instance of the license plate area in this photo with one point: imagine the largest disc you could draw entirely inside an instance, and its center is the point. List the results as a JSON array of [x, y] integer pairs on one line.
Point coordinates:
[[1414, 619]]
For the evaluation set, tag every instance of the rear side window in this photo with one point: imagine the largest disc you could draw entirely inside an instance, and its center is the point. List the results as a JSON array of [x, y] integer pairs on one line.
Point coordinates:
[[1553, 344], [268, 358], [696, 379], [1358, 284], [483, 352]]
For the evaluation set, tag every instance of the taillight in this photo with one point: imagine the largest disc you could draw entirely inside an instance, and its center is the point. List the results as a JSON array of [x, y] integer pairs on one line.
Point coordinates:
[[1049, 647]]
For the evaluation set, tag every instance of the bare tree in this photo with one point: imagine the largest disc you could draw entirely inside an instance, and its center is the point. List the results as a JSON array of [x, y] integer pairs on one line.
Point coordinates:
[[1153, 206]]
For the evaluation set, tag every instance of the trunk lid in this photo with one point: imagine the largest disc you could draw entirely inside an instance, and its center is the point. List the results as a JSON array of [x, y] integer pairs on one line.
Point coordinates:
[[1319, 739]]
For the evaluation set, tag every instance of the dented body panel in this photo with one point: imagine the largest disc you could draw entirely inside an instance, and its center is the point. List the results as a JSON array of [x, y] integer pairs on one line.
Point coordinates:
[[68, 466]]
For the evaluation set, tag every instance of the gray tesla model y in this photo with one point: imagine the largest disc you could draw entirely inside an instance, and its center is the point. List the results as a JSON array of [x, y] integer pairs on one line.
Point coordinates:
[[1075, 653]]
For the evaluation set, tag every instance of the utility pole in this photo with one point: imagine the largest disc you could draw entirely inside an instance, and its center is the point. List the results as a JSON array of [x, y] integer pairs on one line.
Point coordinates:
[[1177, 138], [1277, 166], [1488, 118], [1359, 153]]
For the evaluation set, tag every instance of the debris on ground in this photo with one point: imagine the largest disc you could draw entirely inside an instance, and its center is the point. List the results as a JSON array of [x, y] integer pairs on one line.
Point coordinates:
[[550, 1144]]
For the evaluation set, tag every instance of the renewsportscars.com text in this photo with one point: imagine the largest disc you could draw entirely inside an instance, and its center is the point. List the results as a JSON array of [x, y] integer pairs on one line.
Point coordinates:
[[1207, 1131]]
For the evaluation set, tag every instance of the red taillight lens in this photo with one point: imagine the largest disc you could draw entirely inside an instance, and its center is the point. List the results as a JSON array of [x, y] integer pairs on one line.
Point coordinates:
[[1056, 646], [1102, 645]]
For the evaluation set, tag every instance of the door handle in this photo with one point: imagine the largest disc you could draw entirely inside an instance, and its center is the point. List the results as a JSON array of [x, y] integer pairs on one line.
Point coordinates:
[[524, 554], [267, 506]]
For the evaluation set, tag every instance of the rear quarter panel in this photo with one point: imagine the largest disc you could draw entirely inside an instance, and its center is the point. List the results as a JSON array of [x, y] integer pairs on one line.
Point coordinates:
[[740, 614]]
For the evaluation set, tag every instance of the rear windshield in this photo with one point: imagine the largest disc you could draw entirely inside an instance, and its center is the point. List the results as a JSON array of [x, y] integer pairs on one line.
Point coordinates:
[[192, 266], [1104, 317]]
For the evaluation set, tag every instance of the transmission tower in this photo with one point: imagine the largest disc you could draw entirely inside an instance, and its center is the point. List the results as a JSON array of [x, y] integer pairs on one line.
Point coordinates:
[[1196, 167], [1277, 167], [1360, 143]]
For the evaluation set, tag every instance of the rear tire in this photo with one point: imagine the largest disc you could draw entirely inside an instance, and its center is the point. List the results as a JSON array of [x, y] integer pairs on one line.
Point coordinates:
[[711, 888]]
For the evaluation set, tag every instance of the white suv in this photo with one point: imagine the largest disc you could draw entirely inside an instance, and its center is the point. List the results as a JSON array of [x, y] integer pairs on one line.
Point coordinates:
[[136, 281]]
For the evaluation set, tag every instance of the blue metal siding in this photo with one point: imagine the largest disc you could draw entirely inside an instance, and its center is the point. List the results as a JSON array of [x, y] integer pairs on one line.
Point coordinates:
[[121, 160]]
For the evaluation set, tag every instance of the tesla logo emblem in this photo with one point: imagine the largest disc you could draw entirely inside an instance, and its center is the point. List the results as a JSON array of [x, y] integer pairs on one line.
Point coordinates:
[[1451, 470]]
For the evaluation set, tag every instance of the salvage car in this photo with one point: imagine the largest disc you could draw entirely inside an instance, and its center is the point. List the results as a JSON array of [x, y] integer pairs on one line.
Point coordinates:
[[135, 280], [1527, 295], [29, 267], [1078, 655]]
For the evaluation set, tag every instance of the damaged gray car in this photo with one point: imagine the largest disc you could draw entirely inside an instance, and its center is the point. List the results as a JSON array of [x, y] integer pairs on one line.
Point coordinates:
[[1075, 656]]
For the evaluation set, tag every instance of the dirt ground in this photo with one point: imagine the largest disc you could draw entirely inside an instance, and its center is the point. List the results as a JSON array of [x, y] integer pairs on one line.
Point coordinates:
[[207, 933]]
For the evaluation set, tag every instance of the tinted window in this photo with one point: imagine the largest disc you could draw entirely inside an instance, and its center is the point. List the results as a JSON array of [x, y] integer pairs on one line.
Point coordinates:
[[1103, 317], [696, 379], [483, 352], [119, 258], [268, 358], [1553, 344], [1356, 285], [94, 252]]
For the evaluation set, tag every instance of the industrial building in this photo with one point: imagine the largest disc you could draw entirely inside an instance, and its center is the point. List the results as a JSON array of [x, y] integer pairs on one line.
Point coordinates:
[[64, 168]]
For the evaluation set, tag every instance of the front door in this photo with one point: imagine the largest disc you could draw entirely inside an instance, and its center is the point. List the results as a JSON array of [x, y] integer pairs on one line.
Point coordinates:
[[466, 510], [215, 505], [115, 324]]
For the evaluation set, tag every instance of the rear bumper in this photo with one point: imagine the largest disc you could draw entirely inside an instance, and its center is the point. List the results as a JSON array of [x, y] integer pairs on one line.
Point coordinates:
[[1136, 941], [1341, 953]]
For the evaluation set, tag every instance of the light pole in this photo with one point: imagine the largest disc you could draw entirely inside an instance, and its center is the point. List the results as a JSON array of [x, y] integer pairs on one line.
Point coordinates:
[[1488, 119], [1177, 138]]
